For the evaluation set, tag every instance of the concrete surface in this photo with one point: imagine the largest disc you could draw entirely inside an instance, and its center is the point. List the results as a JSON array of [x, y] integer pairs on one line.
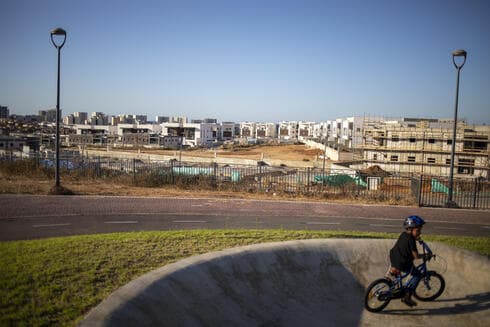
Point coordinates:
[[298, 283]]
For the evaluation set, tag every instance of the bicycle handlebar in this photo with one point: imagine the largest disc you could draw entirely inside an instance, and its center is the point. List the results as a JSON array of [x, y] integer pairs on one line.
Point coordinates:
[[426, 250]]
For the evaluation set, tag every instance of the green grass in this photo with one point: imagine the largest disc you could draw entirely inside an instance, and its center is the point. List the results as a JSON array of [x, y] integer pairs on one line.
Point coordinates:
[[56, 281]]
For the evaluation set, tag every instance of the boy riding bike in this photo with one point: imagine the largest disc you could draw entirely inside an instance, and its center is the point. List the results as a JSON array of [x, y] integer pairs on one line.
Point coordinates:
[[404, 252]]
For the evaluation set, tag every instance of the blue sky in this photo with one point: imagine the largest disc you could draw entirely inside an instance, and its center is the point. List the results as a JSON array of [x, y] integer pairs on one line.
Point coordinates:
[[248, 60]]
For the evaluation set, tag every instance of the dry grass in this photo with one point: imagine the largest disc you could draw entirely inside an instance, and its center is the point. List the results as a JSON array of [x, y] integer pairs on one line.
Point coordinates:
[[30, 179], [107, 187]]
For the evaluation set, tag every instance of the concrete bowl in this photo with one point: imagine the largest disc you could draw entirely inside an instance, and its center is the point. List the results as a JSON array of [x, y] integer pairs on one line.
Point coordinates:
[[296, 283]]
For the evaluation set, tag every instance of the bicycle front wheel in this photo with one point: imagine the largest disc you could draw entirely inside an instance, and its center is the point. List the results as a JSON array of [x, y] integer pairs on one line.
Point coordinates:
[[430, 287], [378, 295]]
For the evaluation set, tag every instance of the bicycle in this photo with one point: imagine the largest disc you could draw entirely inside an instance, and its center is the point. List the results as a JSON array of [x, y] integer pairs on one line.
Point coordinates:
[[429, 287]]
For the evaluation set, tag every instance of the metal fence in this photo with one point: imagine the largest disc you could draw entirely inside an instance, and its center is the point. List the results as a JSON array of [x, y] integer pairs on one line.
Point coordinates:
[[421, 190], [467, 193]]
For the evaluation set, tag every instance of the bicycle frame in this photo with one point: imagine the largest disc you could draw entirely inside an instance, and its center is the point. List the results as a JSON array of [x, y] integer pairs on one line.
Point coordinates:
[[422, 268]]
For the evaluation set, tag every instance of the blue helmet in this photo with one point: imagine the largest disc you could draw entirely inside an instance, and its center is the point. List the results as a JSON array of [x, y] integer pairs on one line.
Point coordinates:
[[413, 221]]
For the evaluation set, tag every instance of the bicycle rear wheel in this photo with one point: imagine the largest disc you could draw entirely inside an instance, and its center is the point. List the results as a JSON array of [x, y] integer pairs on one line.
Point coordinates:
[[430, 287], [378, 295]]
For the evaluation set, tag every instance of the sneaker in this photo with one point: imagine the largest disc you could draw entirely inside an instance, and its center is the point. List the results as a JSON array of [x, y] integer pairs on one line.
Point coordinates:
[[398, 292], [408, 301]]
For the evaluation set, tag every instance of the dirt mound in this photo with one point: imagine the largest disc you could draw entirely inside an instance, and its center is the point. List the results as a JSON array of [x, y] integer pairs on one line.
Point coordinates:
[[375, 171]]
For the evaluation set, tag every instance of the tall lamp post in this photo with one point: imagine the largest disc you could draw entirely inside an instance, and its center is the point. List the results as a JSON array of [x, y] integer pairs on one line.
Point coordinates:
[[457, 53], [58, 38]]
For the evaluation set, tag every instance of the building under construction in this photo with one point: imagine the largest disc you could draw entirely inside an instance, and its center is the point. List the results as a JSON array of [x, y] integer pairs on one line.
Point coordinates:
[[423, 146]]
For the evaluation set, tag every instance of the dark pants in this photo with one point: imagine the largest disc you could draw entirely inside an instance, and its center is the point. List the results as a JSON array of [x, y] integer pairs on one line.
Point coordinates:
[[416, 275]]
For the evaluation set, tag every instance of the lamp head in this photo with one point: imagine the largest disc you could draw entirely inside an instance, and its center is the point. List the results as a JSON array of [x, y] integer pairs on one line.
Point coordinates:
[[58, 32], [459, 53]]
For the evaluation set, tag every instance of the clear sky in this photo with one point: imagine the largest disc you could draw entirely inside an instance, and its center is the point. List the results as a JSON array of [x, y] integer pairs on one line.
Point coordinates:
[[247, 60]]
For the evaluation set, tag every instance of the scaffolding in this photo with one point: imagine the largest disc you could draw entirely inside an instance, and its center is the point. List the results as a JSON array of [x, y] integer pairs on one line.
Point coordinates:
[[423, 146]]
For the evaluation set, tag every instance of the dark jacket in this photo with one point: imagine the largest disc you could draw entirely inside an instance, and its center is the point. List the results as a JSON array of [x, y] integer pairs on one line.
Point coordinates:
[[401, 256]]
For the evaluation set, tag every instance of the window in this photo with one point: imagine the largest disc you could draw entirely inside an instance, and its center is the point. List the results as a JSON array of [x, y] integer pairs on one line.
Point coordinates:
[[432, 141], [466, 162], [474, 146], [466, 170], [449, 142], [448, 161], [395, 138], [465, 166], [412, 140], [411, 158], [375, 156], [394, 158], [431, 160]]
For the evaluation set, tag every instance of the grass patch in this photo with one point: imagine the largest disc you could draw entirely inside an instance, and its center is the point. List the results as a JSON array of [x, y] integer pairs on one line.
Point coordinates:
[[56, 281]]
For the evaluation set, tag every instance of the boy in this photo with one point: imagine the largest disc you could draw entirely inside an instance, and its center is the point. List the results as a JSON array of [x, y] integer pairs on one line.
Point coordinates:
[[404, 252]]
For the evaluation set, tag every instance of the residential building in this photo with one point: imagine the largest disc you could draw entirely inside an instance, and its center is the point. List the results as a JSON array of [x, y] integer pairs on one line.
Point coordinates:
[[140, 119], [19, 143], [162, 119], [80, 117], [423, 146], [4, 112], [305, 130], [178, 119], [288, 130], [248, 130], [98, 118], [227, 131], [93, 134], [193, 134], [265, 131], [48, 116], [69, 120]]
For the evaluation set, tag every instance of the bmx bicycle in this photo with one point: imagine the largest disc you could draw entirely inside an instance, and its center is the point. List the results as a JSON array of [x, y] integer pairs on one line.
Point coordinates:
[[429, 287]]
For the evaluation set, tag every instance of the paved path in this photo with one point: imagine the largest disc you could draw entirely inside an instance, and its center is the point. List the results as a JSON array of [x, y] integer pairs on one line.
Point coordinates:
[[28, 216]]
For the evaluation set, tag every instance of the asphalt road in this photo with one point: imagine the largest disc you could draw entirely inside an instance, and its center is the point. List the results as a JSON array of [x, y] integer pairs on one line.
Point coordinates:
[[32, 217]]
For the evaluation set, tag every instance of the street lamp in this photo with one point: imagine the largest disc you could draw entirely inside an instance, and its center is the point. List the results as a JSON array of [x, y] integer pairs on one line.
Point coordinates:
[[58, 38], [457, 53]]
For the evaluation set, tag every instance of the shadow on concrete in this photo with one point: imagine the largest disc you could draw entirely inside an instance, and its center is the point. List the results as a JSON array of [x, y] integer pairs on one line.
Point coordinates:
[[271, 286], [468, 304]]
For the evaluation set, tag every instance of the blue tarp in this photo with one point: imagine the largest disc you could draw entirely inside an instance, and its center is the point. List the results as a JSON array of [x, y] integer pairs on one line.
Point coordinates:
[[437, 186], [339, 179], [195, 171]]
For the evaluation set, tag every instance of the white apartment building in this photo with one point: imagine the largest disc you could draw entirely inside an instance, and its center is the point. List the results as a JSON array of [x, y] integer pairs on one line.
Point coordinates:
[[138, 129], [98, 118], [80, 117], [320, 131], [227, 131], [265, 131], [306, 130], [346, 132], [248, 130], [288, 130], [93, 134], [193, 134]]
